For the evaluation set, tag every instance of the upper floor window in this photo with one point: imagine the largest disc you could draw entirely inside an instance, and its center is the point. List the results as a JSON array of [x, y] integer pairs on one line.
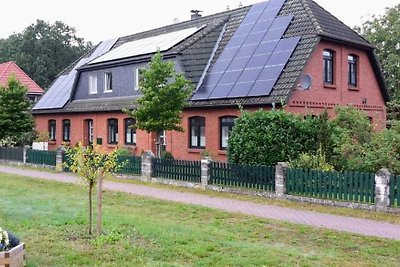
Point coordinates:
[[52, 130], [130, 132], [197, 132], [112, 131], [328, 66], [92, 84], [66, 130], [138, 78], [225, 125], [353, 62], [108, 85]]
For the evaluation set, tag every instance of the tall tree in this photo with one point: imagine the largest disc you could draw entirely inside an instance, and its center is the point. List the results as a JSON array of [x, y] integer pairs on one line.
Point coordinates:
[[16, 120], [384, 32], [43, 50], [165, 94]]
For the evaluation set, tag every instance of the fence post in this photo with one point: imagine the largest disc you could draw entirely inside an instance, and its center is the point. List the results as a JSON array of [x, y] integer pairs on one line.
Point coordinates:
[[280, 179], [60, 159], [205, 171], [382, 186], [147, 168], [25, 154]]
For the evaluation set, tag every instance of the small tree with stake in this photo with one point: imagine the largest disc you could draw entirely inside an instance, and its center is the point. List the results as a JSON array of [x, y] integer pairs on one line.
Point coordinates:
[[165, 93], [91, 164]]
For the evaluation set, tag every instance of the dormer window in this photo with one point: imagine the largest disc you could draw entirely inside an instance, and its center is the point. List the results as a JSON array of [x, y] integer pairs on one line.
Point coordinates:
[[352, 61], [108, 82], [328, 56], [92, 84], [138, 78]]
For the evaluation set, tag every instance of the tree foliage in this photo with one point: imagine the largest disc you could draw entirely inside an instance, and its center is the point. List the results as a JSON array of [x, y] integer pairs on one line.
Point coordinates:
[[16, 121], [43, 50], [384, 33], [165, 93], [91, 164]]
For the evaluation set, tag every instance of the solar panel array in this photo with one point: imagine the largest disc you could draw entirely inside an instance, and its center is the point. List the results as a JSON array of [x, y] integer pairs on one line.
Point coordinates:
[[254, 57], [147, 45], [60, 91]]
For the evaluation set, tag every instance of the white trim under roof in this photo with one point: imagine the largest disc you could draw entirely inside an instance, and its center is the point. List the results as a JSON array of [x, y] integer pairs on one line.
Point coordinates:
[[144, 46]]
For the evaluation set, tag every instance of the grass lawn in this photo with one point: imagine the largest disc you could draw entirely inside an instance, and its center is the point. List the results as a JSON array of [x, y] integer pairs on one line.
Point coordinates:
[[50, 218]]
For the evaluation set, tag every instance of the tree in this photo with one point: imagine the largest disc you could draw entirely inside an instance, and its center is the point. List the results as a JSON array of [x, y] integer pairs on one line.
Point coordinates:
[[43, 50], [165, 94], [91, 164], [384, 33], [16, 121]]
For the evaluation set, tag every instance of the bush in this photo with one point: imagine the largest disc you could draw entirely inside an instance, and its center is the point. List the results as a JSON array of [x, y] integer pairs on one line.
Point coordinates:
[[312, 161], [167, 155], [268, 137]]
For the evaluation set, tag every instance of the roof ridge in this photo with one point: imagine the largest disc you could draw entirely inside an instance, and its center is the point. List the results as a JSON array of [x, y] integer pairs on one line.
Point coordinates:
[[310, 13]]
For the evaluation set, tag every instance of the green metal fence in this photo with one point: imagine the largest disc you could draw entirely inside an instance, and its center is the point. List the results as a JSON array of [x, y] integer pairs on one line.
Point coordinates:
[[346, 186], [182, 170], [12, 153], [131, 165], [245, 176], [41, 157], [395, 190]]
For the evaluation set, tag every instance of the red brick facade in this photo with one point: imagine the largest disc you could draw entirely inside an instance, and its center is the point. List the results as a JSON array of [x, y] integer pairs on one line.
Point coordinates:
[[366, 96]]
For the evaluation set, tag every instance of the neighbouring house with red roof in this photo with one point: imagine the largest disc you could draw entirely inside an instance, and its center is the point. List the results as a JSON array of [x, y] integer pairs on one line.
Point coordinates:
[[10, 68], [288, 54]]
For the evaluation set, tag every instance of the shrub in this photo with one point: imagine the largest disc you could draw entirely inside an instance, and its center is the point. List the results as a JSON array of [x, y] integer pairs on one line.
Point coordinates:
[[167, 155], [312, 161]]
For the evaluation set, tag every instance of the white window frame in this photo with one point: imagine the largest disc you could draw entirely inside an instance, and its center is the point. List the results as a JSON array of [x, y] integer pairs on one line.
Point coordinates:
[[107, 83], [137, 78], [92, 84]]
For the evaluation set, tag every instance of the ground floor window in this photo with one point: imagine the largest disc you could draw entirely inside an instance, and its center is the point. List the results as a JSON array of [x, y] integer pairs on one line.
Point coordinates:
[[130, 132], [226, 125], [52, 130], [66, 130], [197, 132], [112, 131]]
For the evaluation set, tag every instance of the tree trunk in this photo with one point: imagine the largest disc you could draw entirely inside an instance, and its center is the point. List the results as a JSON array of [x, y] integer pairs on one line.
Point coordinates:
[[90, 208], [99, 202]]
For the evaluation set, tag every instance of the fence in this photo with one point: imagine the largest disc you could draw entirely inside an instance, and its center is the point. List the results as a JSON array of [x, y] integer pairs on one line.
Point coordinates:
[[12, 153], [395, 190], [41, 157], [182, 170], [251, 177], [346, 186], [131, 164]]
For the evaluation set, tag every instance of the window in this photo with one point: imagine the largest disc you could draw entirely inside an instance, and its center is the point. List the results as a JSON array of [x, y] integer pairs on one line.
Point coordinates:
[[197, 132], [66, 130], [225, 127], [112, 131], [328, 66], [130, 132], [108, 82], [92, 84], [90, 131], [52, 130], [352, 60], [138, 78]]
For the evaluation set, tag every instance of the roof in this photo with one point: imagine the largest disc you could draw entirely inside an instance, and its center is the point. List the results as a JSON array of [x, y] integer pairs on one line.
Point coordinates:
[[10, 68], [199, 52]]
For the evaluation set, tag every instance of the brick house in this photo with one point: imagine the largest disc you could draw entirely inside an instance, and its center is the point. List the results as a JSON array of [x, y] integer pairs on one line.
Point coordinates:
[[289, 54], [10, 68]]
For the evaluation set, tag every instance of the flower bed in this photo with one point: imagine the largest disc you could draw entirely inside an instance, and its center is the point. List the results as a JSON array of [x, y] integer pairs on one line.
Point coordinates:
[[12, 252]]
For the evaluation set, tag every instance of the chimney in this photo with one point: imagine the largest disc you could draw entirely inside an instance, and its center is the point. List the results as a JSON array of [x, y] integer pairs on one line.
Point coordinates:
[[195, 14]]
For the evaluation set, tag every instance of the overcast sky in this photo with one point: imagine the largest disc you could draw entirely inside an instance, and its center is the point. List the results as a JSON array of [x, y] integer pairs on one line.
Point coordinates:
[[97, 20]]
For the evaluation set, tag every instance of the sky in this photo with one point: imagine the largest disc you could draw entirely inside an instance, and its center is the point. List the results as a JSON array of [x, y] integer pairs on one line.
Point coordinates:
[[96, 20]]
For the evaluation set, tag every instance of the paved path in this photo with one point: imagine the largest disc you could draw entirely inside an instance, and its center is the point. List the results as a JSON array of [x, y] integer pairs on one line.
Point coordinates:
[[340, 223]]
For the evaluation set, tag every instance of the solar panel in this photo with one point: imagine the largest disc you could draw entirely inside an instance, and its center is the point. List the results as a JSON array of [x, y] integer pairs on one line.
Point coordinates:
[[60, 91], [254, 57], [147, 45]]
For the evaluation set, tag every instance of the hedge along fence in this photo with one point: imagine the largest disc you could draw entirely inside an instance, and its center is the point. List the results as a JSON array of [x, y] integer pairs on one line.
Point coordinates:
[[12, 153], [395, 190], [346, 186], [41, 157], [245, 176], [181, 170], [130, 165]]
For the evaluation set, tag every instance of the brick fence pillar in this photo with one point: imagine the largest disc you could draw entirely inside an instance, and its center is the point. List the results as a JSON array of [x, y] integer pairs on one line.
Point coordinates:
[[60, 159], [205, 171], [280, 179], [147, 168], [382, 182]]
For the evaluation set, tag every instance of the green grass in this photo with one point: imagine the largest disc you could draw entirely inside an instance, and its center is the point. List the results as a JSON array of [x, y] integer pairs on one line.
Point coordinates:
[[50, 218]]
